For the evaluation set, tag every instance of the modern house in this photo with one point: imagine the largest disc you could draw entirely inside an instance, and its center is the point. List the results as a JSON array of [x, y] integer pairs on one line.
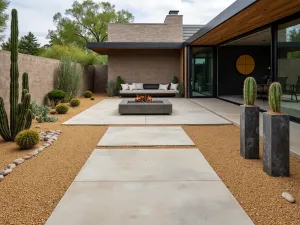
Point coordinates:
[[259, 38]]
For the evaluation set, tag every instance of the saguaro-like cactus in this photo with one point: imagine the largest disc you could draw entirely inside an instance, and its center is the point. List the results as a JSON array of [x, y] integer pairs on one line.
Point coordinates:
[[250, 90], [20, 114], [275, 93]]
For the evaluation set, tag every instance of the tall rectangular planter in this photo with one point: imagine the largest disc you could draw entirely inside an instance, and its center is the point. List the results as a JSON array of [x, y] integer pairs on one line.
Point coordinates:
[[249, 132], [276, 153]]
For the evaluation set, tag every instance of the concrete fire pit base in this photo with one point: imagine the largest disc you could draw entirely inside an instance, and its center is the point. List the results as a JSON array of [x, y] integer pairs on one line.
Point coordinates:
[[158, 107]]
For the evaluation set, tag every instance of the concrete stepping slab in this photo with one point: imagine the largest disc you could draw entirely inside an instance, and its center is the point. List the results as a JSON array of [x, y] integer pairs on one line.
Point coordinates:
[[146, 165], [145, 136], [148, 203]]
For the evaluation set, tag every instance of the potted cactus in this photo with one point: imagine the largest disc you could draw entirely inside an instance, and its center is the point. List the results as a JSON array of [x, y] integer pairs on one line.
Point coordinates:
[[249, 122], [276, 132]]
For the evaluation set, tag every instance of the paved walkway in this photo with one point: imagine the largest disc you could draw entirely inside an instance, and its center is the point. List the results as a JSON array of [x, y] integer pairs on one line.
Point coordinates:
[[140, 186], [231, 112], [184, 112], [145, 136]]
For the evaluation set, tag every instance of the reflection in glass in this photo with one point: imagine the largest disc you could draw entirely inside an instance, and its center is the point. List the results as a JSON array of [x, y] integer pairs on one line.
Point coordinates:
[[202, 71], [289, 66]]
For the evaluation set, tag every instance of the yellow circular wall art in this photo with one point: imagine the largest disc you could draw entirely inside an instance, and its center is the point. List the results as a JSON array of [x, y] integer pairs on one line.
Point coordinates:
[[245, 64]]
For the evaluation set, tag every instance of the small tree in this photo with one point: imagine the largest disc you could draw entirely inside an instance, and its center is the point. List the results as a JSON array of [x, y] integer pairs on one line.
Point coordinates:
[[29, 44], [6, 45], [69, 78], [3, 17]]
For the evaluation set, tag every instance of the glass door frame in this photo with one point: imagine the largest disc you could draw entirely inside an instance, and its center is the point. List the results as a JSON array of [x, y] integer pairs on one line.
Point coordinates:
[[190, 71]]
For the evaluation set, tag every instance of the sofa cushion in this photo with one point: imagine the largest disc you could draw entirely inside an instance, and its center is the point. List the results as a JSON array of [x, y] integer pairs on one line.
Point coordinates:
[[173, 86], [163, 87], [125, 86], [139, 86], [132, 87]]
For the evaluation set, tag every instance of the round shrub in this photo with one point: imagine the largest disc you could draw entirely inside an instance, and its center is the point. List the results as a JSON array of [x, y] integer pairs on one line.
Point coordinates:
[[88, 94], [56, 96], [62, 108], [75, 102], [92, 99], [27, 139]]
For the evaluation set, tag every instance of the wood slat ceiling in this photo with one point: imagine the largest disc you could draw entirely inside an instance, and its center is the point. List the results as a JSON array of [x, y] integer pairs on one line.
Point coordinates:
[[257, 15]]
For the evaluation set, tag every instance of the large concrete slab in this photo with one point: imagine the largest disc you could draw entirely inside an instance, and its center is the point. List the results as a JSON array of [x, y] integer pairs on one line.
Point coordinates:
[[148, 203], [232, 112], [184, 112], [146, 165], [145, 136], [141, 196]]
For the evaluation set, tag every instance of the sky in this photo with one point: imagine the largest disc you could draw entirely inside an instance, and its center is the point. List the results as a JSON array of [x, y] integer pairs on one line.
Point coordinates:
[[37, 15]]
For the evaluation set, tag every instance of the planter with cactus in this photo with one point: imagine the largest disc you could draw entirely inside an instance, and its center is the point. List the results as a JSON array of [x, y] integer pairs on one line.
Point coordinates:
[[276, 131], [249, 122]]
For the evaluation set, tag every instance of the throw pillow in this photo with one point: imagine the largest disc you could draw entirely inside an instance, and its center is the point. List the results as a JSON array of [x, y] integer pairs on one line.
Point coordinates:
[[163, 87], [132, 87], [139, 86], [173, 86], [125, 87]]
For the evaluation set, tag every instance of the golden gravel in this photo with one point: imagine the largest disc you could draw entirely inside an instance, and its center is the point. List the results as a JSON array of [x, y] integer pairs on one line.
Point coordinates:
[[31, 192]]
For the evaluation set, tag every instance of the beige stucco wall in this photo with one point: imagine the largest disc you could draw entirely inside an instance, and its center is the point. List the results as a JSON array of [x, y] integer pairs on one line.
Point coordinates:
[[41, 73], [145, 66], [169, 31]]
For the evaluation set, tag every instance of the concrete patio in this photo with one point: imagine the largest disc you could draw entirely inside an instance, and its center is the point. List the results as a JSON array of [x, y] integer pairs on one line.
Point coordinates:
[[139, 186], [184, 112]]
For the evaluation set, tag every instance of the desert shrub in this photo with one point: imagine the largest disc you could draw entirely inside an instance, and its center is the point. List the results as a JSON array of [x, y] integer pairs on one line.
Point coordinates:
[[56, 96], [180, 93], [88, 94], [62, 108], [75, 102], [82, 56], [92, 99], [175, 80], [111, 88], [41, 113], [27, 139], [69, 77], [119, 81]]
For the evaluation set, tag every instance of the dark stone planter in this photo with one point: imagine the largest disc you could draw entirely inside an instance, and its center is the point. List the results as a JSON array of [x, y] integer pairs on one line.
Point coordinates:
[[249, 132], [276, 154]]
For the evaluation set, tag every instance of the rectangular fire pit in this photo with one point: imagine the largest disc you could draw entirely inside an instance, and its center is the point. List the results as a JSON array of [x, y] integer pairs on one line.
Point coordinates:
[[156, 107]]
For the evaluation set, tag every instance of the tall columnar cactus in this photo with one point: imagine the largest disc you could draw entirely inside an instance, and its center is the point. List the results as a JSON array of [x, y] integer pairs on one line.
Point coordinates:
[[275, 93], [20, 113], [25, 85], [250, 90]]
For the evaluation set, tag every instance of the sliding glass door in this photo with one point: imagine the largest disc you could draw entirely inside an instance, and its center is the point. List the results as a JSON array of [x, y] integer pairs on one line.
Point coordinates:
[[202, 72]]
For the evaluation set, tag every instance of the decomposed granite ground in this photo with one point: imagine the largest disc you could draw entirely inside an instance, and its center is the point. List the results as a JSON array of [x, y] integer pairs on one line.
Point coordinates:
[[30, 194]]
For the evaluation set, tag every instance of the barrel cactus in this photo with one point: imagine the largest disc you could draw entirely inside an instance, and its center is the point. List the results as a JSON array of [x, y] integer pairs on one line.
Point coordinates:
[[20, 113], [275, 93], [75, 102], [62, 108], [27, 139], [250, 90], [88, 94]]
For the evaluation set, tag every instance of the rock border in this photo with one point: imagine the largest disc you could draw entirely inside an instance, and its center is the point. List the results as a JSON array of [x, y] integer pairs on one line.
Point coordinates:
[[49, 137]]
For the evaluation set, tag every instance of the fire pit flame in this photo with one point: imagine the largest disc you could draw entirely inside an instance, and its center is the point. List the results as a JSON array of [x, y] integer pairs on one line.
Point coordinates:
[[143, 98]]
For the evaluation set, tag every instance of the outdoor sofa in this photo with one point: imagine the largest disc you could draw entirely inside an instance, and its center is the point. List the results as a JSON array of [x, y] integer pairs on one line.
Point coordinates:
[[149, 89]]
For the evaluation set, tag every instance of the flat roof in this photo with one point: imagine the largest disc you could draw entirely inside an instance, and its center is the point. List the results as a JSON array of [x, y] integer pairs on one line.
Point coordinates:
[[230, 11], [241, 17], [104, 47]]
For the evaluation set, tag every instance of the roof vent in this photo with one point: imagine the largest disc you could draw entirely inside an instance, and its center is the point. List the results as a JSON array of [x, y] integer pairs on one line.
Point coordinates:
[[173, 12]]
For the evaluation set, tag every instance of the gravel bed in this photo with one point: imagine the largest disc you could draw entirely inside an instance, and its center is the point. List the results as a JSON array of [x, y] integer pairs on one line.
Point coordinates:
[[31, 192]]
